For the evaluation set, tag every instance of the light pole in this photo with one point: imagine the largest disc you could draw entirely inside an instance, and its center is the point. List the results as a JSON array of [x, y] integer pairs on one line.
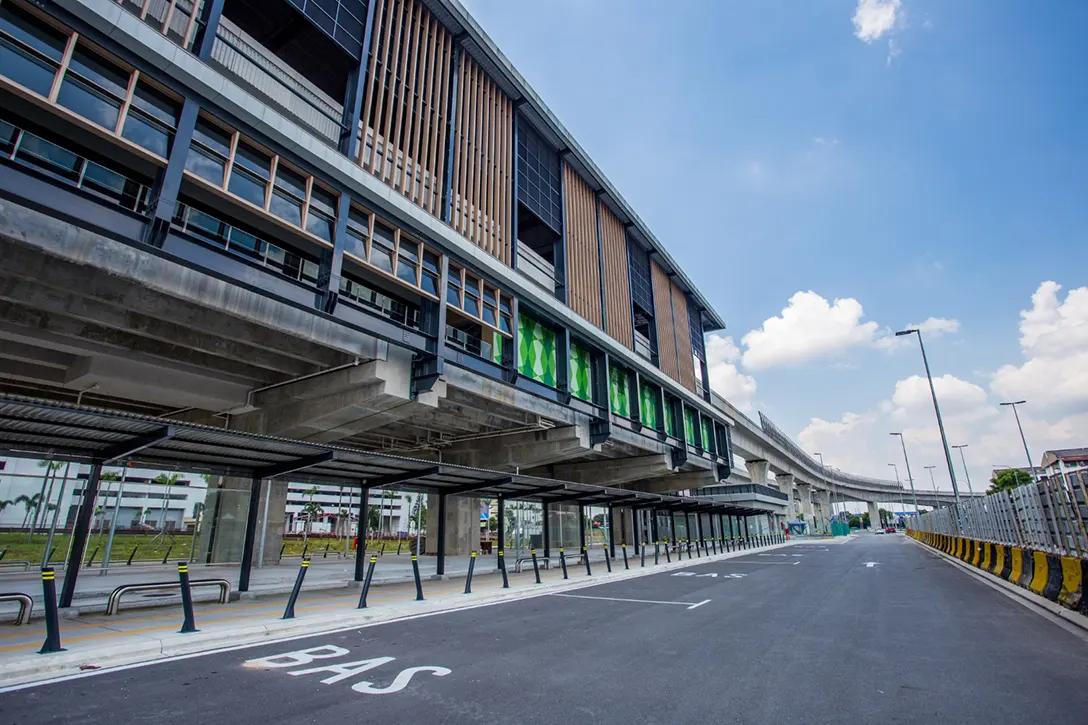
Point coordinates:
[[932, 481], [830, 497], [940, 423], [965, 471], [910, 478], [1031, 466], [899, 483]]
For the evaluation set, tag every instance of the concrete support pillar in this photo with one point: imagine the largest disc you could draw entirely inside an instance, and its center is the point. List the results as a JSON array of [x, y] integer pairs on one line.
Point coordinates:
[[825, 505], [758, 470], [222, 534], [805, 490], [785, 483], [462, 525], [874, 515]]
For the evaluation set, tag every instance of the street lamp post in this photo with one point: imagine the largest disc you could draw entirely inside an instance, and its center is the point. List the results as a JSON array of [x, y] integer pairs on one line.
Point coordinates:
[[1031, 466], [940, 423], [910, 478], [899, 483], [965, 471], [932, 481]]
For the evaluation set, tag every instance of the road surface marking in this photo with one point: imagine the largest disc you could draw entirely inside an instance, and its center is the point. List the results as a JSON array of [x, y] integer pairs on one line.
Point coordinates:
[[696, 606], [871, 564], [638, 601]]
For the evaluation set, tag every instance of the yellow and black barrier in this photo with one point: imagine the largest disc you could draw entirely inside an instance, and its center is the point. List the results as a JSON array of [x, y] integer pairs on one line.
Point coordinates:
[[1059, 578]]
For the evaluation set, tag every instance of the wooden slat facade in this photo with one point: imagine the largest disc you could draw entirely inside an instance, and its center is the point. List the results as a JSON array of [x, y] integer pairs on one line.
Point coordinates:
[[617, 288], [682, 330], [666, 336], [405, 101], [482, 177], [583, 257]]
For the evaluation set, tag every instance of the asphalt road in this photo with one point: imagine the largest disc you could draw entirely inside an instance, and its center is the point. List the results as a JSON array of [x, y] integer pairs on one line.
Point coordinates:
[[806, 634]]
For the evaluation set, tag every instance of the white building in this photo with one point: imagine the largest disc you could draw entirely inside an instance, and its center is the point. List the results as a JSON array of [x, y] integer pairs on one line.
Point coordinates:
[[1064, 461]]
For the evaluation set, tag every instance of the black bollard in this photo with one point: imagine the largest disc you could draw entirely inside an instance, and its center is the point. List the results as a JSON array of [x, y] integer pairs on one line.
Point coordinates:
[[657, 553], [642, 553], [3, 554], [689, 548], [608, 560], [502, 568], [325, 555], [52, 620], [399, 541], [168, 550], [189, 625], [468, 579], [623, 547], [563, 562], [93, 555], [305, 548], [129, 562], [668, 557], [714, 546], [585, 558], [283, 548], [366, 582], [382, 552], [415, 573], [536, 566], [289, 613]]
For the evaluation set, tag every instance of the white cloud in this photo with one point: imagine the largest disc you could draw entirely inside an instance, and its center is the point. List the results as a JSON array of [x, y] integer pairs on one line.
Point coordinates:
[[722, 356], [953, 394], [825, 141], [935, 326], [875, 18], [809, 327]]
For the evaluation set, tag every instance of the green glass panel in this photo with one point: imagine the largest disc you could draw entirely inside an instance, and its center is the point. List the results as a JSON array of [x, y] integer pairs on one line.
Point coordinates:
[[689, 426], [536, 351], [670, 419], [648, 406], [708, 435], [496, 349], [581, 373], [617, 389]]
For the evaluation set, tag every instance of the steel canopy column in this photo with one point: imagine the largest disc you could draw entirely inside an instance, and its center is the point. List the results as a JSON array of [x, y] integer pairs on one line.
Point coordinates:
[[653, 524], [582, 526], [501, 527], [251, 534], [440, 566], [79, 535], [746, 527], [360, 535], [672, 523], [547, 530], [611, 533]]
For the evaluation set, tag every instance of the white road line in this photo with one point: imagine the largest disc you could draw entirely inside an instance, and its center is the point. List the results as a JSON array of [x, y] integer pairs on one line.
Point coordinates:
[[696, 606], [638, 601]]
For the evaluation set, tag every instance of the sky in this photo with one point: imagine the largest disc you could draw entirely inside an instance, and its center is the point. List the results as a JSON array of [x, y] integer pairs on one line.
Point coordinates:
[[830, 171]]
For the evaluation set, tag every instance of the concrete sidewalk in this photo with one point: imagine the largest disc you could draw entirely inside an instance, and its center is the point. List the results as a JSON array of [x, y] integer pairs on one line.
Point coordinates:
[[95, 641]]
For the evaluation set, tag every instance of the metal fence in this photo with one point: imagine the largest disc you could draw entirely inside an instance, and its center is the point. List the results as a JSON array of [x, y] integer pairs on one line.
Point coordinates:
[[1047, 516]]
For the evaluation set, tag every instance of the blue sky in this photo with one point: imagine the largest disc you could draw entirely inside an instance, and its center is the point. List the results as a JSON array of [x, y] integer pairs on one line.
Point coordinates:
[[913, 159]]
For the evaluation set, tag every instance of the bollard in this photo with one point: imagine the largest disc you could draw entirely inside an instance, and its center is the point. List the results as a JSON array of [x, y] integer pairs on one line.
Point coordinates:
[[536, 567], [366, 582], [305, 548], [468, 579], [585, 558], [52, 620], [415, 573], [93, 555], [502, 568], [689, 548], [189, 625], [283, 548], [626, 566], [51, 552], [608, 560], [698, 551], [642, 550], [129, 562], [382, 552], [289, 613], [563, 562], [399, 541], [668, 557], [168, 550], [3, 554], [325, 555], [714, 546]]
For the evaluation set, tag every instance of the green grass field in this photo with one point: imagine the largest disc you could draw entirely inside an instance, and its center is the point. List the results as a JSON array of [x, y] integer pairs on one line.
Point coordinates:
[[17, 547]]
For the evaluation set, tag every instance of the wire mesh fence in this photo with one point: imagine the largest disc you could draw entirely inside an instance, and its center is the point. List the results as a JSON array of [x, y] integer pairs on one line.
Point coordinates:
[[1050, 516]]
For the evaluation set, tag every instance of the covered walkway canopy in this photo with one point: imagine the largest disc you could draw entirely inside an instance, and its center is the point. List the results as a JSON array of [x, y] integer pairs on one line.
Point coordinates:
[[94, 436]]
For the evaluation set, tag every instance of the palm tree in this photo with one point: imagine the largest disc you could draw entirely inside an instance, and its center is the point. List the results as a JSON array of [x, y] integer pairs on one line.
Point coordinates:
[[311, 510], [169, 481], [49, 478], [31, 504]]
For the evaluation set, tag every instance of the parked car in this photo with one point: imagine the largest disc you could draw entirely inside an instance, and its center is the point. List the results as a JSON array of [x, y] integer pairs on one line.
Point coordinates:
[[889, 530]]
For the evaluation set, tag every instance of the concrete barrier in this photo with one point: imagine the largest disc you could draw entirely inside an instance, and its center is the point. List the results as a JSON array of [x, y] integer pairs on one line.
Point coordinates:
[[1058, 578]]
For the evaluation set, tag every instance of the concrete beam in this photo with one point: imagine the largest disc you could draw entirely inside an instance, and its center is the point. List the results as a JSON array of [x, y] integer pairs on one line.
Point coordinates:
[[613, 471], [677, 482], [757, 470], [521, 450]]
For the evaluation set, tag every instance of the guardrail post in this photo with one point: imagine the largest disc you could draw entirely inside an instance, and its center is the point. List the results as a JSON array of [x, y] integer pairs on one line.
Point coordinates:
[[189, 625], [366, 582], [563, 562], [468, 578], [289, 613], [168, 550], [502, 568], [415, 573], [585, 558], [52, 621], [623, 548], [536, 567]]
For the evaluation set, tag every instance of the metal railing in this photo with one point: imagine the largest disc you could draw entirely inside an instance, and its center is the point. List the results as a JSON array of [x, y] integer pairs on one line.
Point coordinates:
[[26, 605], [752, 488], [114, 601], [469, 343], [536, 268], [1050, 516], [173, 18]]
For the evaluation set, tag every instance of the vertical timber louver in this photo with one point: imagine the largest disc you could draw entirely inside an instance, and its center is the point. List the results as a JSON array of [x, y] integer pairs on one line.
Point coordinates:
[[683, 337], [666, 338], [617, 288], [482, 181], [405, 101], [583, 257]]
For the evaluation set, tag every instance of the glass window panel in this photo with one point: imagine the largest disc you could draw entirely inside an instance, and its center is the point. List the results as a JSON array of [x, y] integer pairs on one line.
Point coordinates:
[[504, 323], [489, 295], [453, 296], [472, 306], [144, 132], [429, 283], [383, 235], [29, 72], [409, 250], [406, 270], [253, 160], [360, 222], [355, 243], [285, 207], [100, 71], [504, 304], [323, 201], [112, 185], [320, 225], [309, 271], [156, 104], [490, 316], [430, 261], [7, 136], [246, 243], [205, 165], [89, 102], [381, 257], [39, 152], [248, 187], [208, 226], [212, 136], [26, 28], [291, 182]]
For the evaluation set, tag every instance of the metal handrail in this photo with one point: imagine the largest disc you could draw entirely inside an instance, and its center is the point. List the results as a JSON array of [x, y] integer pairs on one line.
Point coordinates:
[[17, 562], [26, 605], [115, 596]]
